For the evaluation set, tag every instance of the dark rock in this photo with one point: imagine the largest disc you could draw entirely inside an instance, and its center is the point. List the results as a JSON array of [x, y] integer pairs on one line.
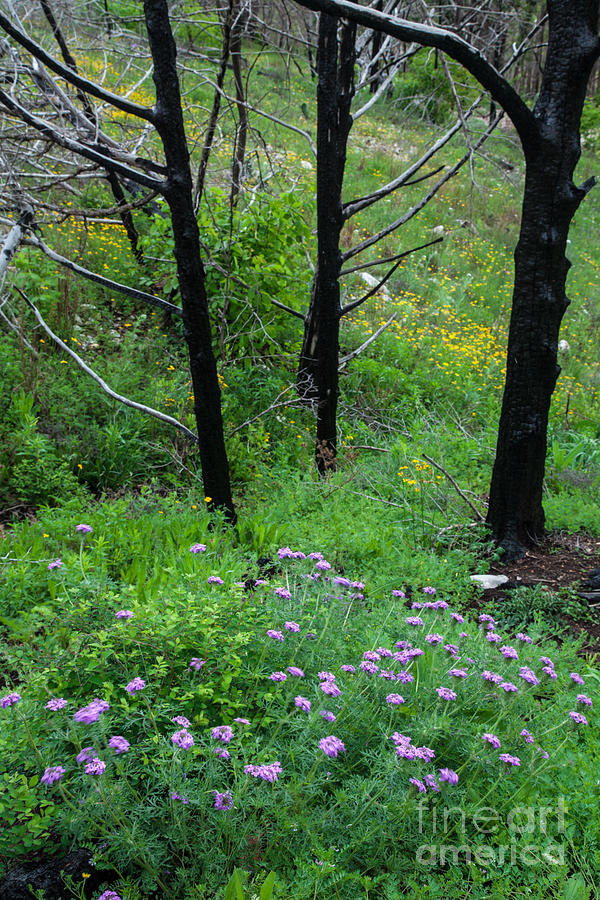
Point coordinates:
[[47, 876], [592, 580], [590, 596]]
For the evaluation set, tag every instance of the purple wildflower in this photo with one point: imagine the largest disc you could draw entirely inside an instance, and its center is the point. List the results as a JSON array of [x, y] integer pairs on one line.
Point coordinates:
[[371, 655], [424, 753], [278, 676], [91, 712], [268, 772], [492, 739], [291, 626], [491, 676], [434, 638], [446, 693], [578, 718], [284, 594], [419, 785], [196, 663], [55, 564], [369, 667], [458, 673], [85, 755], [242, 721], [124, 614], [55, 704], [302, 703], [181, 720], [214, 579], [493, 638], [449, 775], [52, 774], [582, 698], [405, 677], [342, 582], [457, 617], [311, 635], [223, 733], [509, 652], [348, 668], [331, 746], [399, 594], [328, 716], [429, 590], [330, 688], [223, 800], [84, 529], [510, 760], [316, 555], [296, 672], [175, 796], [197, 548], [322, 565], [546, 661], [550, 672], [119, 744], [485, 617], [222, 753], [527, 737], [394, 699], [285, 553], [509, 687], [524, 637], [137, 684], [183, 739], [326, 676], [275, 635], [95, 767], [416, 604], [431, 783], [528, 675], [414, 620], [577, 678], [109, 895]]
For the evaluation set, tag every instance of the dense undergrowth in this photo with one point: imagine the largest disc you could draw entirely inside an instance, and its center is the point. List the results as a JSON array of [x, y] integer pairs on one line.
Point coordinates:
[[173, 818]]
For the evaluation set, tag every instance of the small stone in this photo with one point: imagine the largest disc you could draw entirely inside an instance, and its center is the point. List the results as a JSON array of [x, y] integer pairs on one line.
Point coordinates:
[[372, 282], [563, 346], [489, 582]]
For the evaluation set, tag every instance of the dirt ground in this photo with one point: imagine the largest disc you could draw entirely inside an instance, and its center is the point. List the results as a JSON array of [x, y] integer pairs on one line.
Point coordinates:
[[563, 560]]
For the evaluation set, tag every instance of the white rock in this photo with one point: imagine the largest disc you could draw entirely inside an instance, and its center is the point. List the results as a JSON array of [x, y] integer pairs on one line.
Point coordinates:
[[372, 282], [304, 163], [563, 346], [489, 582], [438, 230]]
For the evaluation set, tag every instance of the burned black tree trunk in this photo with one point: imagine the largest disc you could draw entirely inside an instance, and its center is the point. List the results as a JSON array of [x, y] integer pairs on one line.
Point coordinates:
[[318, 367], [551, 198], [168, 119]]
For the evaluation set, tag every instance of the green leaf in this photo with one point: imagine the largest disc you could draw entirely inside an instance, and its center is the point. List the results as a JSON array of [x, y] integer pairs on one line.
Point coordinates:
[[266, 891]]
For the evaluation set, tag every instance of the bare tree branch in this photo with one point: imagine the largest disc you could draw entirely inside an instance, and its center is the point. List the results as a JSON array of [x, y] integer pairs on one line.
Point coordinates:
[[141, 407]]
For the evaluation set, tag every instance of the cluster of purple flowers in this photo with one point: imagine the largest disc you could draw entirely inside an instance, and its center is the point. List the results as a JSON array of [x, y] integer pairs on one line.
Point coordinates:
[[91, 712], [332, 746], [137, 684], [268, 772]]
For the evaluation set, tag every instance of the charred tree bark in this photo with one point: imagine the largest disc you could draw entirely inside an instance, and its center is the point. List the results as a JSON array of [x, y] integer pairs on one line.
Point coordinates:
[[168, 120], [239, 153], [515, 513], [318, 368]]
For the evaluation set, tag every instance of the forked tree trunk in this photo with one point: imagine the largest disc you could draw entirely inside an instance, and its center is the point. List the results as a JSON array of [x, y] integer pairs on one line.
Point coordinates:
[[515, 512], [319, 357], [190, 271]]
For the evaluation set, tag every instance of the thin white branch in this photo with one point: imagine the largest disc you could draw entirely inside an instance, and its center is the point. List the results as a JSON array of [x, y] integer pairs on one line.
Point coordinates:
[[141, 407]]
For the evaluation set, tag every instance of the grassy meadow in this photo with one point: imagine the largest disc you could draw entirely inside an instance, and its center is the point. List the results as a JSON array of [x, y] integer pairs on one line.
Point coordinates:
[[209, 710]]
